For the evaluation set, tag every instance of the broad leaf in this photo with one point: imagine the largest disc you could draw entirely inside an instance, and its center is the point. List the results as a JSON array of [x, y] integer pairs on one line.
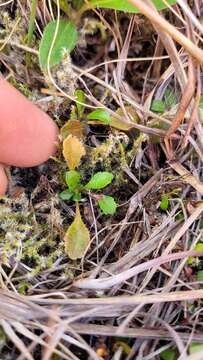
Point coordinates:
[[123, 5], [77, 237], [66, 39], [99, 181], [66, 195], [72, 127], [72, 179], [108, 205], [101, 115], [73, 150]]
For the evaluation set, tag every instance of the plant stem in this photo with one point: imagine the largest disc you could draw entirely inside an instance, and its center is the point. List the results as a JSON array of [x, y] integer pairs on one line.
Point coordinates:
[[31, 28]]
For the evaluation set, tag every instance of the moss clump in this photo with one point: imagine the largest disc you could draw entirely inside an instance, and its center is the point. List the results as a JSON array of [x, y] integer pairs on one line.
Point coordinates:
[[27, 237]]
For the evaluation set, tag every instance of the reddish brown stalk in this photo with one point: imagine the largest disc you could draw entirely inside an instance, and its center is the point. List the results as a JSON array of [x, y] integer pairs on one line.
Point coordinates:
[[194, 113], [184, 103]]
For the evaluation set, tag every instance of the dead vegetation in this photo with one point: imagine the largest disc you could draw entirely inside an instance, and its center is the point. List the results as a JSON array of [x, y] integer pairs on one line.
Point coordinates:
[[137, 291]]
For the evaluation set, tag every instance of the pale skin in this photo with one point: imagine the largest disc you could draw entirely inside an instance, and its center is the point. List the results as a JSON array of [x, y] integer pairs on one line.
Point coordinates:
[[28, 136]]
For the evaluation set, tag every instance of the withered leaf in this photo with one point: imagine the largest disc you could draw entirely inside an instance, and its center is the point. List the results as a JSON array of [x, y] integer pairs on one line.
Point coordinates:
[[73, 150], [77, 237], [73, 127]]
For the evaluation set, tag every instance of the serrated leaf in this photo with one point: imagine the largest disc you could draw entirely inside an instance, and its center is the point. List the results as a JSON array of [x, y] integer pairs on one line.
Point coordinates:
[[72, 127], [66, 39], [101, 115], [80, 96], [72, 179], [66, 195], [77, 237], [73, 150], [108, 205], [123, 124], [99, 180], [123, 5], [158, 106]]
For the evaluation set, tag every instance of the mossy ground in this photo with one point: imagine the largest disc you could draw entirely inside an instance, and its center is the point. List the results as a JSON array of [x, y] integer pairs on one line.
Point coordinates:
[[36, 276]]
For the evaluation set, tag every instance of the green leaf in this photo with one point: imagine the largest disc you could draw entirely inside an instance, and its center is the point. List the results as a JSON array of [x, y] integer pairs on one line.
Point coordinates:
[[80, 96], [201, 102], [158, 106], [200, 275], [77, 196], [66, 195], [201, 224], [99, 181], [123, 5], [168, 354], [164, 203], [195, 347], [77, 237], [198, 247], [72, 178], [101, 115], [179, 216], [66, 39], [108, 205], [169, 98]]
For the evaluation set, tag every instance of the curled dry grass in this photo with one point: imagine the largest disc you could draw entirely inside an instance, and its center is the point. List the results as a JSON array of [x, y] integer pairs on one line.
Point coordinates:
[[134, 282]]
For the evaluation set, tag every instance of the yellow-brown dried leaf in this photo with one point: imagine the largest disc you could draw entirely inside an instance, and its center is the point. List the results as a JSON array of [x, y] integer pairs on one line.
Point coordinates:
[[73, 127], [77, 237], [73, 150]]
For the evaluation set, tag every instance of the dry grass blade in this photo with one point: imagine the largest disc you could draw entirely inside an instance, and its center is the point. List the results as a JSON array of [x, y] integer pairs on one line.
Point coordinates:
[[186, 176], [135, 281], [105, 283], [157, 19], [15, 339]]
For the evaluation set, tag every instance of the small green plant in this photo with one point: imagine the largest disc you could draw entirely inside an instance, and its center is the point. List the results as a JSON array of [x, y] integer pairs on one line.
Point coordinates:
[[77, 237], [101, 115], [158, 106], [66, 39], [98, 181], [164, 204]]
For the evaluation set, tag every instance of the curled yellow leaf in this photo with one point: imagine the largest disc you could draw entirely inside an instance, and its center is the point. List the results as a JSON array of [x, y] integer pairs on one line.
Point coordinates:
[[73, 127], [77, 237], [73, 150]]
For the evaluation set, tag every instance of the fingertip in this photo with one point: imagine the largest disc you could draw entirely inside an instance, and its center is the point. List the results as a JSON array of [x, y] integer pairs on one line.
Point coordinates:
[[28, 136], [3, 181]]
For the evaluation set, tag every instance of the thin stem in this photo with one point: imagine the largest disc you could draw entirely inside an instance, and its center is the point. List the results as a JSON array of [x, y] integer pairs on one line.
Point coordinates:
[[31, 28]]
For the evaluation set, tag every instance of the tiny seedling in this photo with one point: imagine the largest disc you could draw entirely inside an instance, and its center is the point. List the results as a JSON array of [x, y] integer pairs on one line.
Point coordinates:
[[98, 181], [77, 237]]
